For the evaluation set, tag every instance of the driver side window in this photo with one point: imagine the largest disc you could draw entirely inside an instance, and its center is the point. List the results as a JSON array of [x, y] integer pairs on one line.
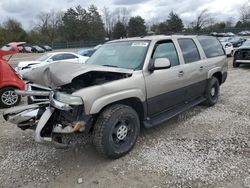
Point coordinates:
[[166, 49]]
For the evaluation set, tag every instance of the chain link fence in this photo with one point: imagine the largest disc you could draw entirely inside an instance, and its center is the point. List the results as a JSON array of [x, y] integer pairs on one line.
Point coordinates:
[[80, 44]]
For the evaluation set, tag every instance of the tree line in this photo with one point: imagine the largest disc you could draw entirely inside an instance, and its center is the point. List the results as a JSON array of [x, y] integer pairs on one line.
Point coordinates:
[[91, 24]]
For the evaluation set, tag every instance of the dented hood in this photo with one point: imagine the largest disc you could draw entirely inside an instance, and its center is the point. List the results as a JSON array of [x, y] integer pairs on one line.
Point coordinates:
[[61, 73]]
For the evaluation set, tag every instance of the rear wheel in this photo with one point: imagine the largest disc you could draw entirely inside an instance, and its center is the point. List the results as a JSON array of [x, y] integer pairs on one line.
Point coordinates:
[[212, 92], [8, 97], [116, 131]]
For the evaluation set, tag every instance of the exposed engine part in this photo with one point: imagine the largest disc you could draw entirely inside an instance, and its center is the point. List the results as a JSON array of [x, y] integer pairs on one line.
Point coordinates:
[[92, 78]]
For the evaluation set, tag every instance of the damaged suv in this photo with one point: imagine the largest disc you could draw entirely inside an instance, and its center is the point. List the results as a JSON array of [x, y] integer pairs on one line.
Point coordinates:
[[126, 84]]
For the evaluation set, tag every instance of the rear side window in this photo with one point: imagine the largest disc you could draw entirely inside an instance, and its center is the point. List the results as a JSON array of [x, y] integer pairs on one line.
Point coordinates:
[[58, 57], [70, 56], [166, 49], [189, 50], [211, 46]]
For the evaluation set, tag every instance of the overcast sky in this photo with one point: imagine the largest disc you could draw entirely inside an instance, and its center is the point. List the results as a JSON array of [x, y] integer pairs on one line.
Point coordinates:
[[26, 10]]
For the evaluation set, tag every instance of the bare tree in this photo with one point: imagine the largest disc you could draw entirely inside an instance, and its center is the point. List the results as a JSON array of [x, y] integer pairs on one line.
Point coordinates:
[[108, 21], [203, 19], [111, 18], [230, 22], [49, 23], [122, 15], [245, 12]]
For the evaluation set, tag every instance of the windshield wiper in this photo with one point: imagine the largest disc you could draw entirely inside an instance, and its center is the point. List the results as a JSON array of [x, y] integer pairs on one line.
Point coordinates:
[[110, 66]]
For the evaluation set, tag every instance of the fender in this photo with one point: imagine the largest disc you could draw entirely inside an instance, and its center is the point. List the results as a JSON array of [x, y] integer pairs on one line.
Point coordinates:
[[19, 85], [212, 71], [103, 101]]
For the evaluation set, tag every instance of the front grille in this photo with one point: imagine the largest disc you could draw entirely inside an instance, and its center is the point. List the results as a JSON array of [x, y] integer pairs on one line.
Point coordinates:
[[243, 55], [37, 99]]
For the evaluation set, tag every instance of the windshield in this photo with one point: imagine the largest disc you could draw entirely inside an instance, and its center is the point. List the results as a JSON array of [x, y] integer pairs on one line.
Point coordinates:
[[44, 57], [247, 43], [129, 54]]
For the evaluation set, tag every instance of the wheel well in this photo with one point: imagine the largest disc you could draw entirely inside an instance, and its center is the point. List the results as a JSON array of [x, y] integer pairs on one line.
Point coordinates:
[[218, 75], [134, 103], [15, 87]]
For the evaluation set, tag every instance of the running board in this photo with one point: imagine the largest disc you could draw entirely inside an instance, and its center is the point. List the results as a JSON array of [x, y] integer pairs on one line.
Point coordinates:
[[164, 116]]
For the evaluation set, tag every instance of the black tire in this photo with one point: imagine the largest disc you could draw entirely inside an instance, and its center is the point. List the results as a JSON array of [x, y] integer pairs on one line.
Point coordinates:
[[110, 136], [8, 98], [235, 65], [212, 92], [231, 54]]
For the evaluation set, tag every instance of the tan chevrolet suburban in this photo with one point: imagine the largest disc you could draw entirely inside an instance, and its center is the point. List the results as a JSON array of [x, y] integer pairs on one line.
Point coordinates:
[[127, 84]]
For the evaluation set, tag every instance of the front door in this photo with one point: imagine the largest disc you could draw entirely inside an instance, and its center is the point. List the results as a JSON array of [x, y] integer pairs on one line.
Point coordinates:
[[165, 87]]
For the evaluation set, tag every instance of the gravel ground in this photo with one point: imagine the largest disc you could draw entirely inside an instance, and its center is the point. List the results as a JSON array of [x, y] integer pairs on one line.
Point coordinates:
[[203, 147]]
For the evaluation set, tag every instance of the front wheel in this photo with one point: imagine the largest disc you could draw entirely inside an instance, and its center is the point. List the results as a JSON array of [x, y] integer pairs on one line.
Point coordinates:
[[116, 131], [8, 97], [212, 92], [235, 64]]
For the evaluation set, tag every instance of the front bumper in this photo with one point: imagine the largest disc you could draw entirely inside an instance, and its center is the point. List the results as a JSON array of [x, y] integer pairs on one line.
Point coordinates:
[[242, 61], [49, 118]]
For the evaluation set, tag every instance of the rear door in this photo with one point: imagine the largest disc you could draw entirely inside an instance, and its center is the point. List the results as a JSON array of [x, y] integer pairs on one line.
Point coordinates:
[[194, 68]]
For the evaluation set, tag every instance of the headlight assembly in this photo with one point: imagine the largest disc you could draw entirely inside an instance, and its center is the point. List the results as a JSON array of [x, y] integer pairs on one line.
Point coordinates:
[[68, 99]]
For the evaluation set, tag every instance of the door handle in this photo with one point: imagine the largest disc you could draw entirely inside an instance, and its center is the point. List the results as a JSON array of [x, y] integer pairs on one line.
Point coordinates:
[[201, 68], [181, 73]]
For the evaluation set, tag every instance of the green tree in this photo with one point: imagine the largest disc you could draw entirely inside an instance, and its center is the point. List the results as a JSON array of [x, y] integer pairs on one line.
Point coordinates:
[[96, 26], [80, 24], [174, 23], [13, 31], [70, 24], [136, 27], [162, 27], [119, 31]]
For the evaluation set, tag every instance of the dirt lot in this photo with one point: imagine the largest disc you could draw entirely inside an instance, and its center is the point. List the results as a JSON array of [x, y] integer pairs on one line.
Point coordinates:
[[203, 147]]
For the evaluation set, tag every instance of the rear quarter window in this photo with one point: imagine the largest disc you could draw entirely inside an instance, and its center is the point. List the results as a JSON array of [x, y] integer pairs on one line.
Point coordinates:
[[211, 46]]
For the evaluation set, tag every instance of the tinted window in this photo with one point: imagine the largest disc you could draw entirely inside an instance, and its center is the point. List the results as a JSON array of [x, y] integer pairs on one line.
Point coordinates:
[[211, 46], [70, 56], [58, 57], [189, 50], [166, 49]]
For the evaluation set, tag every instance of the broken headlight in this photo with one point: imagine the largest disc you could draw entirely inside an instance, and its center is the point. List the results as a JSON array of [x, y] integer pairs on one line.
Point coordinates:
[[68, 99]]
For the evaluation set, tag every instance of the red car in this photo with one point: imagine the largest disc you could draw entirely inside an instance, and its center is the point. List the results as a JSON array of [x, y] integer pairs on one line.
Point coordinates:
[[9, 80]]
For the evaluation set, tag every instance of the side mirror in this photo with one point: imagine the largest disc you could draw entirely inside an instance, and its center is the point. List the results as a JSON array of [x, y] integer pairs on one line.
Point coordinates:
[[159, 63]]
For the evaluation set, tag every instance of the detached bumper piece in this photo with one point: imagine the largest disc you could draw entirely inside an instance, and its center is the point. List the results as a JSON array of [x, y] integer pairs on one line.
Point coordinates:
[[26, 117]]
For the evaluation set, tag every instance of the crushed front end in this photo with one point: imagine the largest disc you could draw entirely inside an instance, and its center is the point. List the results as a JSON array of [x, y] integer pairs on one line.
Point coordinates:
[[61, 114]]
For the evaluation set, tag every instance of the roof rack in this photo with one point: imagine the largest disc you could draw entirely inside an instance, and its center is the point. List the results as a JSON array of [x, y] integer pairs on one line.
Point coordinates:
[[176, 33]]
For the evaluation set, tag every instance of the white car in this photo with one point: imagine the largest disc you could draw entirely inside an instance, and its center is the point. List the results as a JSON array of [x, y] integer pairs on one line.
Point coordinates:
[[50, 58], [228, 47]]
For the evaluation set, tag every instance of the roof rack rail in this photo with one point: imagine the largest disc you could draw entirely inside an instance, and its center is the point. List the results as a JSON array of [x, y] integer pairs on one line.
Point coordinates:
[[178, 33]]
